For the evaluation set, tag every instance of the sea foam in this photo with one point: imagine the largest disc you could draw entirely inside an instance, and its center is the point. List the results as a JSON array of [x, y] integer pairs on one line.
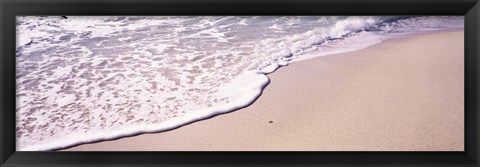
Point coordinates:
[[86, 78]]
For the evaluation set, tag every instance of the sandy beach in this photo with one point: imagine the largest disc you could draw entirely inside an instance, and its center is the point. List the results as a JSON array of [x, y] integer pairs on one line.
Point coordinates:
[[400, 95]]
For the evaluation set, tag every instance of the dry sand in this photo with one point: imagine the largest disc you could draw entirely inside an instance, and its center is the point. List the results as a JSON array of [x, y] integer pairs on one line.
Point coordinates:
[[400, 95]]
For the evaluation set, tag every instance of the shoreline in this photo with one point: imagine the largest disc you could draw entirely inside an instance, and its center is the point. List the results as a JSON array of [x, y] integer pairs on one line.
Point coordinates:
[[321, 97]]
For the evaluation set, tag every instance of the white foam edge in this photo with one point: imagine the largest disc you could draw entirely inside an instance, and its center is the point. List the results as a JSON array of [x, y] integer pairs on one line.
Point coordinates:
[[249, 93], [360, 41], [357, 42]]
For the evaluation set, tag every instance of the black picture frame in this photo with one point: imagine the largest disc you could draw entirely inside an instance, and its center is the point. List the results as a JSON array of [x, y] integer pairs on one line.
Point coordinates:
[[10, 8]]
